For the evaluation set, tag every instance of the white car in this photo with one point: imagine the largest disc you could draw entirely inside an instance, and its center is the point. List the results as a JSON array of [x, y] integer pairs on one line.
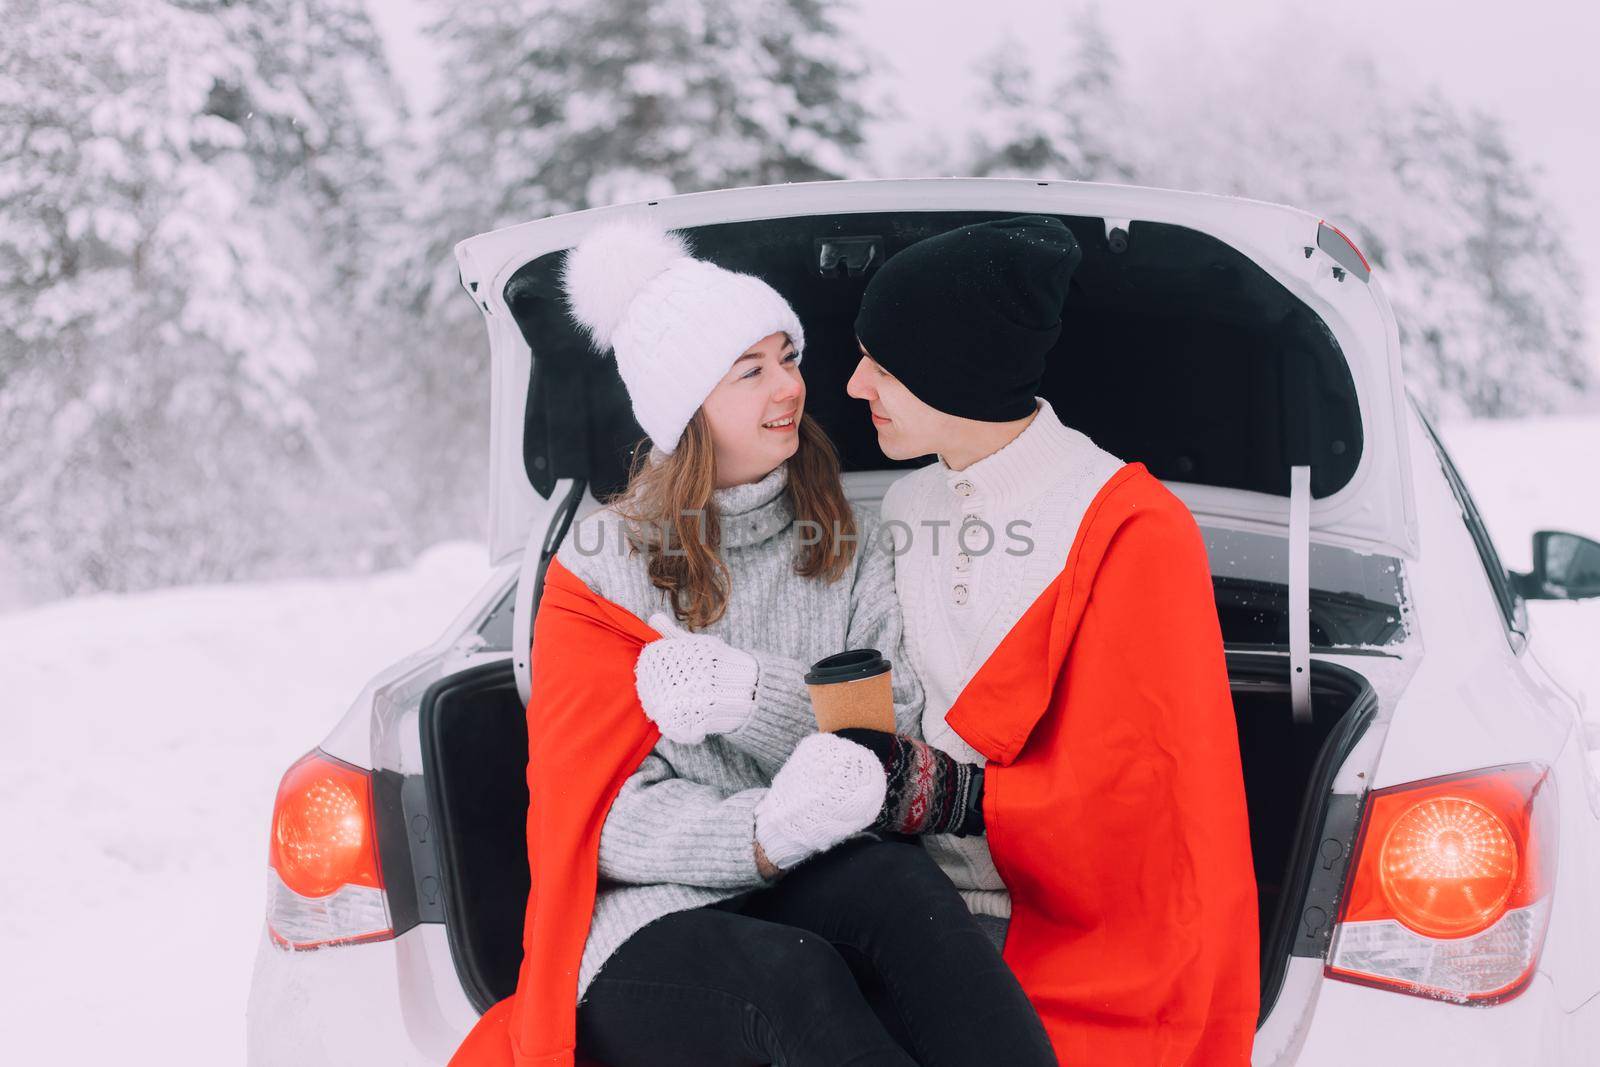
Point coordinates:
[[1424, 815]]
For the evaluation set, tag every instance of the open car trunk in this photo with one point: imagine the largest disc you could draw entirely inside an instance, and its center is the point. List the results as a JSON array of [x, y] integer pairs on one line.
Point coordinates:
[[475, 747], [1241, 351]]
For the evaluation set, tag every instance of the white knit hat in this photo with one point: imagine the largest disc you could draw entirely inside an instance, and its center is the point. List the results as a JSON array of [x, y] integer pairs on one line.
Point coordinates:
[[675, 322]]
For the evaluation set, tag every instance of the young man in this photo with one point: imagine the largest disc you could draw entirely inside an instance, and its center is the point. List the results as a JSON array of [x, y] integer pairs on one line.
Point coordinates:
[[1058, 609]]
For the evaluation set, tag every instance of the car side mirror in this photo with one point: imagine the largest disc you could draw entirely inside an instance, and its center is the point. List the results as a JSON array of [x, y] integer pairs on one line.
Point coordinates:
[[1565, 567]]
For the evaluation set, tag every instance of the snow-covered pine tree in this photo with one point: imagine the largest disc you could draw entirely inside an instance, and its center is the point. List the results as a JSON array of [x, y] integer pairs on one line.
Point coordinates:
[[1503, 333], [323, 116], [1094, 107], [1017, 134], [556, 106], [1069, 126], [161, 264], [1481, 281], [338, 165], [1484, 288]]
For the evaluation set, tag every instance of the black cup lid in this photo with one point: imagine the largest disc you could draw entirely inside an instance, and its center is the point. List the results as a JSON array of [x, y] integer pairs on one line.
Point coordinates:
[[851, 665]]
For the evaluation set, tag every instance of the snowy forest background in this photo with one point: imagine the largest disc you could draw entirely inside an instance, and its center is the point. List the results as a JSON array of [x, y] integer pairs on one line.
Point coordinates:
[[231, 339]]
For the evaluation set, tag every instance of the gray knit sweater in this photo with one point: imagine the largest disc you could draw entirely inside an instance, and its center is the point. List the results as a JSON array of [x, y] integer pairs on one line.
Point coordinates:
[[681, 833]]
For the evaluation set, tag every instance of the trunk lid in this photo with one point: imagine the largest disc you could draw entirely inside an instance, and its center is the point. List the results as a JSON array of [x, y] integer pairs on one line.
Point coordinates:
[[1218, 340]]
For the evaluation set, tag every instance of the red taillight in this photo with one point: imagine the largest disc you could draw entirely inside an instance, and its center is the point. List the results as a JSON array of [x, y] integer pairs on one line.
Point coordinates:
[[1449, 893], [322, 835], [327, 884], [1447, 866]]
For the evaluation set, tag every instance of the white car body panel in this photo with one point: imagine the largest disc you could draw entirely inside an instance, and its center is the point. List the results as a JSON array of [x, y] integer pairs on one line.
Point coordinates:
[[1374, 510], [1354, 1024], [1335, 1024], [1480, 698], [1470, 702], [398, 1003]]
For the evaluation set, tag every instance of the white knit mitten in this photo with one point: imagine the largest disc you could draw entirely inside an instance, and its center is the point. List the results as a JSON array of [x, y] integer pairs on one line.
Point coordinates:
[[828, 789], [692, 685]]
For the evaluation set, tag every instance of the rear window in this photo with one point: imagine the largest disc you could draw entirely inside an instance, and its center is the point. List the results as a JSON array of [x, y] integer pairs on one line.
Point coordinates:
[[1358, 601]]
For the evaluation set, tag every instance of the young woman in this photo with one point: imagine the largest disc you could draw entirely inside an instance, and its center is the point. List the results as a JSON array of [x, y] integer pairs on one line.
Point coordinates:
[[741, 916]]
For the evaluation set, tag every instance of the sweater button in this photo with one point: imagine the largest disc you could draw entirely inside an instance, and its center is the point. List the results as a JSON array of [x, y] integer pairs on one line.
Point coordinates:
[[965, 488], [960, 595]]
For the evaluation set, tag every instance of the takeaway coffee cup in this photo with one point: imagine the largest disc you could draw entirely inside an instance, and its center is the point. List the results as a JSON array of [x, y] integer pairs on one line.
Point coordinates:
[[851, 688]]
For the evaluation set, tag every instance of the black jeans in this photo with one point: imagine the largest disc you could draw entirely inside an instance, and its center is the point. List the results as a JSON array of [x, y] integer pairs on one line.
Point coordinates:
[[862, 956]]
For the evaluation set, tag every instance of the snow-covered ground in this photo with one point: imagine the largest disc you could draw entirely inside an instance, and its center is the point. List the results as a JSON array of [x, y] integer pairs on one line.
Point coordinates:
[[143, 739], [144, 735]]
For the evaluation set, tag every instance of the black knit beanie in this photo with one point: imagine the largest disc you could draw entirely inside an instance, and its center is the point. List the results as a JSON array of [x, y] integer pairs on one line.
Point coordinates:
[[966, 318]]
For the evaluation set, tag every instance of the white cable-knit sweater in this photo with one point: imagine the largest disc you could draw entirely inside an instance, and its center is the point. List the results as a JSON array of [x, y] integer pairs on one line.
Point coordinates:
[[976, 548]]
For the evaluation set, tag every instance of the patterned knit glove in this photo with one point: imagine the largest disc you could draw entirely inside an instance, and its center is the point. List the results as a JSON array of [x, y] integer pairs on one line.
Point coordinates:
[[827, 790], [692, 685], [928, 792]]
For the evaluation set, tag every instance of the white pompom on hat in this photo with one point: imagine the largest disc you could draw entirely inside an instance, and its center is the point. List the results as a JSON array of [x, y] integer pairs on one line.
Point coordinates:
[[675, 322]]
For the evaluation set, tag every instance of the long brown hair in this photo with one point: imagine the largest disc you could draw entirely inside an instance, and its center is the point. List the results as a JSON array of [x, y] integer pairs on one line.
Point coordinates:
[[671, 496]]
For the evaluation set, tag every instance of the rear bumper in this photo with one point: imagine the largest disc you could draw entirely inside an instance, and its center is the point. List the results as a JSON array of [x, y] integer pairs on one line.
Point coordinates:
[[398, 1003], [1373, 1027]]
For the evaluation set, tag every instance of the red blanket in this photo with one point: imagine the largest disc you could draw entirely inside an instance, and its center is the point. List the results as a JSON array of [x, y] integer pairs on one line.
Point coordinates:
[[1114, 800], [586, 735]]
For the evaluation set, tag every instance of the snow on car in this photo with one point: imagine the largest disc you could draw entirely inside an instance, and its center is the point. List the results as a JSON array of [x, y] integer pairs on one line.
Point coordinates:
[[1423, 814]]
